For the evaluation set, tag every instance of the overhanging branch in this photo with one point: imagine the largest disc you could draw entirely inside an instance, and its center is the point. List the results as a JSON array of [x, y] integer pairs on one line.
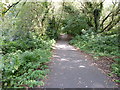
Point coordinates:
[[13, 5]]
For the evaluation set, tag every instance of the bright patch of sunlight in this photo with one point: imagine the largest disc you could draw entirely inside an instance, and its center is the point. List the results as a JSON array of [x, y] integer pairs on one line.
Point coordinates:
[[81, 66], [64, 47], [64, 59], [61, 46], [77, 61]]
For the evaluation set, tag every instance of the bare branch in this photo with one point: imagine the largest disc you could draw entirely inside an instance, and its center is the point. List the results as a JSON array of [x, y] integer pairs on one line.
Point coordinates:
[[106, 17], [13, 5], [110, 27]]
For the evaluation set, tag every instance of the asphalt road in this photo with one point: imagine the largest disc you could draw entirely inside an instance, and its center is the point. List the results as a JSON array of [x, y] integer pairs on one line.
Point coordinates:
[[71, 69]]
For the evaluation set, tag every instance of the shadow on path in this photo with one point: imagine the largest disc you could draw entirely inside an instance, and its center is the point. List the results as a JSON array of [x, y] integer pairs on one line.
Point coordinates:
[[71, 69]]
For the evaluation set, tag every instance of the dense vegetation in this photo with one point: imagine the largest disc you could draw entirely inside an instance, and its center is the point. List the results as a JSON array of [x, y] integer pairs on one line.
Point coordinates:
[[26, 46], [29, 29]]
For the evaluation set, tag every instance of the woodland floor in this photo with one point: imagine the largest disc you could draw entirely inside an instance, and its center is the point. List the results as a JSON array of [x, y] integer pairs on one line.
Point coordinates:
[[71, 68]]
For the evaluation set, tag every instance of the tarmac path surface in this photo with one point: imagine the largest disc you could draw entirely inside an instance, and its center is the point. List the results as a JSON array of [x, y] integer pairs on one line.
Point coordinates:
[[71, 69]]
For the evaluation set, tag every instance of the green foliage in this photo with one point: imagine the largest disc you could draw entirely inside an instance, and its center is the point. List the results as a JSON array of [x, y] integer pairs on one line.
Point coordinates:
[[25, 68], [97, 44], [25, 44], [28, 31], [51, 30], [118, 81], [75, 24], [25, 61], [73, 21], [30, 43], [101, 17], [117, 60], [30, 18], [116, 69]]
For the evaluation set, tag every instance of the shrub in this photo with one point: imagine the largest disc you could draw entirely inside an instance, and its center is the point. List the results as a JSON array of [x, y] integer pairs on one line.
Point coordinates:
[[25, 68], [98, 44], [116, 67], [75, 24], [26, 44]]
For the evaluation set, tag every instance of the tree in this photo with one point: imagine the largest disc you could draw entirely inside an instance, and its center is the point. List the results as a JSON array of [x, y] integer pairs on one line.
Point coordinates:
[[94, 11]]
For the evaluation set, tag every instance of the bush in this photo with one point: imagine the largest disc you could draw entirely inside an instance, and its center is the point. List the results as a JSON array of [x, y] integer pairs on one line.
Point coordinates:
[[25, 68], [97, 44], [26, 44], [25, 60], [75, 24], [116, 67]]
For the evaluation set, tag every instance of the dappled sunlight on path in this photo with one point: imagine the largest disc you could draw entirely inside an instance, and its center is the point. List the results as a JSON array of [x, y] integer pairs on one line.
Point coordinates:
[[64, 47], [71, 69]]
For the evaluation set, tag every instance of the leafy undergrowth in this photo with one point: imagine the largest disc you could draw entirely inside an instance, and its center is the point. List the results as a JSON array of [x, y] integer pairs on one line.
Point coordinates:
[[25, 68], [25, 62], [100, 46], [30, 43]]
